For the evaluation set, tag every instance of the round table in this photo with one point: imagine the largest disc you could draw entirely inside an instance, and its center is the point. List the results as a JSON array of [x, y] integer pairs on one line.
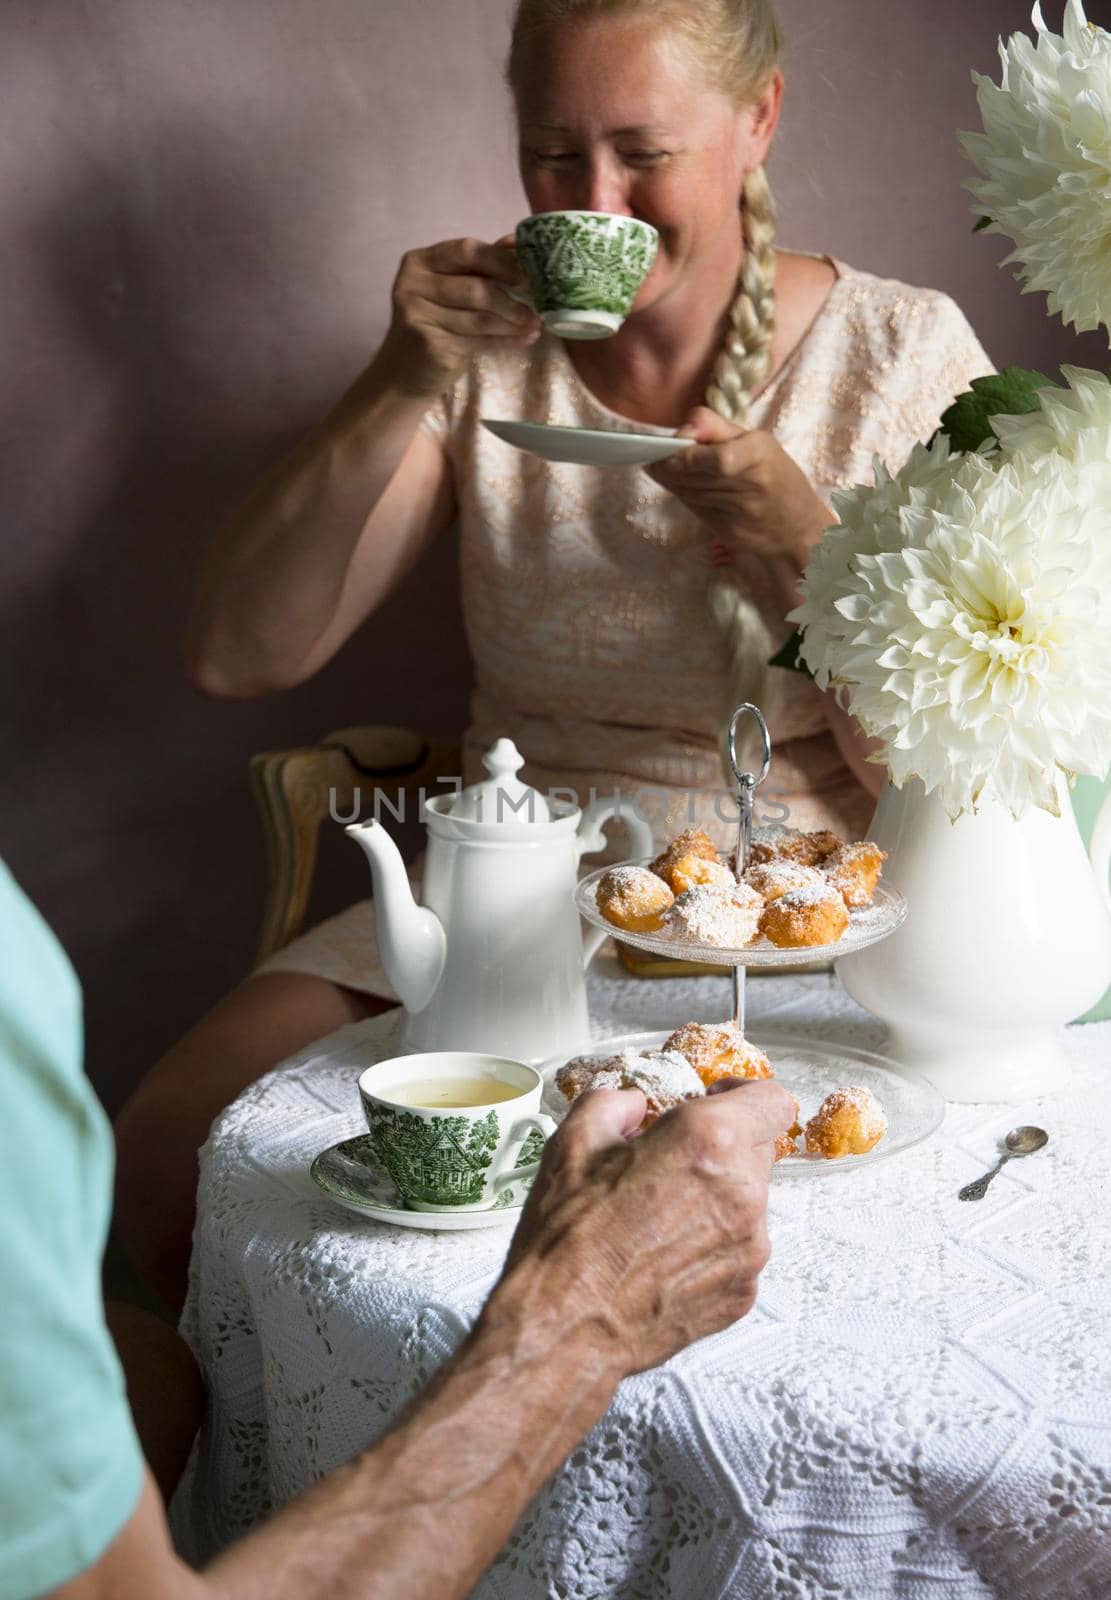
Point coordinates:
[[918, 1406]]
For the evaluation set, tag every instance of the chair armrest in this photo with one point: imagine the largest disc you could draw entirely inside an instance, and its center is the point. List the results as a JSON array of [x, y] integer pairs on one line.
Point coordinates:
[[296, 789]]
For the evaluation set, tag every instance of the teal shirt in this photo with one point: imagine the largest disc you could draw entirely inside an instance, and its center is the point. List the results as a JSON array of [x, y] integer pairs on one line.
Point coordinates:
[[70, 1465]]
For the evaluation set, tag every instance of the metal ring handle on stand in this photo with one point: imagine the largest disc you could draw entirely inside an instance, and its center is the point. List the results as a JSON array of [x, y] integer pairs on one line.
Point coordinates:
[[747, 784]]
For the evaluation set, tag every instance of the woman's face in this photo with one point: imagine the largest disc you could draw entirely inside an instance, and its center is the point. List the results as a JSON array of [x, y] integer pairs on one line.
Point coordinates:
[[617, 117]]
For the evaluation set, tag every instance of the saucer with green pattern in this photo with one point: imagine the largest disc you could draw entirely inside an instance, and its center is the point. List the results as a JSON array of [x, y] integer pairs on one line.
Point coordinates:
[[350, 1174]]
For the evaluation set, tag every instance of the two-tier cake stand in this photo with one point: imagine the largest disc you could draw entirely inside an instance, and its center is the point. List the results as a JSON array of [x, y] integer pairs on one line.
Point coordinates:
[[811, 1068]]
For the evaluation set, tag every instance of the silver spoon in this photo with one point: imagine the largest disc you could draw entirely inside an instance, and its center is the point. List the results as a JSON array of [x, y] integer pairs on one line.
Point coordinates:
[[1019, 1142]]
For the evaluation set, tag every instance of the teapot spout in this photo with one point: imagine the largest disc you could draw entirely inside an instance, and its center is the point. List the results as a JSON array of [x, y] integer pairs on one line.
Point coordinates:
[[411, 939]]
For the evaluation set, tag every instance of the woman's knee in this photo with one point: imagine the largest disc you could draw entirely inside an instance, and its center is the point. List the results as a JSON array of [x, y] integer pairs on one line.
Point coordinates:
[[245, 1034]]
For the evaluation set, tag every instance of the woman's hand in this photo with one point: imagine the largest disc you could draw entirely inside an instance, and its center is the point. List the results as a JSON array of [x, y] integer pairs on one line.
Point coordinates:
[[450, 302], [652, 1241], [747, 490]]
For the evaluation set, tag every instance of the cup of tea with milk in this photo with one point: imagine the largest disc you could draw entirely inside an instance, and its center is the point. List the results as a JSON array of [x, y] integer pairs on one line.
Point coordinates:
[[455, 1129], [584, 269]]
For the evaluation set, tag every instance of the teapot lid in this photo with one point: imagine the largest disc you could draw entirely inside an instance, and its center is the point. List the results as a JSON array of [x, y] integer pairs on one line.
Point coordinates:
[[501, 797]]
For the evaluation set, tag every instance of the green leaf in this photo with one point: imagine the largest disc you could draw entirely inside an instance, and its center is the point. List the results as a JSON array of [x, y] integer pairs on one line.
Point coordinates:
[[789, 655], [1011, 393], [984, 222]]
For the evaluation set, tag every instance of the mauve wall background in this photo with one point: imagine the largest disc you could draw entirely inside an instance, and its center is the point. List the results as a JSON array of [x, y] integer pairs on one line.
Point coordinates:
[[204, 203]]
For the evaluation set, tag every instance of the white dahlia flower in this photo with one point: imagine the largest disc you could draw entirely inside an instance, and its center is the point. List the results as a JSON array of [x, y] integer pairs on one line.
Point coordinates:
[[1045, 163], [966, 605], [869, 523], [1074, 422]]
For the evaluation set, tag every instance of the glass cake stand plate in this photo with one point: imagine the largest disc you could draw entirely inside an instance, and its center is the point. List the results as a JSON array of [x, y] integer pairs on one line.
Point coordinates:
[[811, 1069], [866, 926]]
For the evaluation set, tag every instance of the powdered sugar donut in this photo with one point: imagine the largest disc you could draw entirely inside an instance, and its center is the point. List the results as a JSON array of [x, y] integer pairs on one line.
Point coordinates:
[[725, 918], [849, 1122], [664, 1077], [785, 1142], [634, 899], [790, 844], [691, 859], [854, 871], [780, 876], [812, 915], [578, 1074], [719, 1050]]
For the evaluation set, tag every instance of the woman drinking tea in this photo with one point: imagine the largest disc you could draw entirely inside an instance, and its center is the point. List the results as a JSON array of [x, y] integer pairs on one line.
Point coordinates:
[[614, 615]]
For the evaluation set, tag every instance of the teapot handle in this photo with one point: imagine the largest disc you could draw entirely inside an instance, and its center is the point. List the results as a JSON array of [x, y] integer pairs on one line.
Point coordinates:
[[1099, 851], [592, 838]]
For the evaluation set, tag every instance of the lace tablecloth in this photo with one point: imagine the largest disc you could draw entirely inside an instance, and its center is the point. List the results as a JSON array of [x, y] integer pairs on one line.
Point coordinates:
[[918, 1406]]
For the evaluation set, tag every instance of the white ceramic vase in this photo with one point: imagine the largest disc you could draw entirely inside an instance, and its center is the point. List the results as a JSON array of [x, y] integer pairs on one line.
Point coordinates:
[[1008, 937]]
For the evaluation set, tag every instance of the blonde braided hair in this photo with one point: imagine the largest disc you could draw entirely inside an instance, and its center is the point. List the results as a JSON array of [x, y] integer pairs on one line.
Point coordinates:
[[738, 373], [746, 354], [739, 44]]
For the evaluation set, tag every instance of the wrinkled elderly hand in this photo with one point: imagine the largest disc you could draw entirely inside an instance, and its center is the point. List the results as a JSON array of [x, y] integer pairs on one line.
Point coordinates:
[[744, 486], [451, 301], [659, 1240]]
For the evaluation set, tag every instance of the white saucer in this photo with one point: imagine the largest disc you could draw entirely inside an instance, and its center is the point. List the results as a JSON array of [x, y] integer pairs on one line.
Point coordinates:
[[349, 1174], [587, 447]]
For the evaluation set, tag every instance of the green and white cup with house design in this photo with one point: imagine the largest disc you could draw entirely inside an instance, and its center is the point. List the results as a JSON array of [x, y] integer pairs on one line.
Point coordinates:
[[455, 1157], [584, 268]]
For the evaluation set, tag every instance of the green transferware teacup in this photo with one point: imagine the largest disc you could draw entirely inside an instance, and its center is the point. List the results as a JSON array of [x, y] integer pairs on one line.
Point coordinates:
[[584, 268], [455, 1129]]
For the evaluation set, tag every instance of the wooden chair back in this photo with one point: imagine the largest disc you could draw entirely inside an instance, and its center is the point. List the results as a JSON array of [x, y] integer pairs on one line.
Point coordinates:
[[296, 789]]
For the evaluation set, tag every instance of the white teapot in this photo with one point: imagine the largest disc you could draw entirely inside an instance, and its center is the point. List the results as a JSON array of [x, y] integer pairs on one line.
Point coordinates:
[[494, 959]]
